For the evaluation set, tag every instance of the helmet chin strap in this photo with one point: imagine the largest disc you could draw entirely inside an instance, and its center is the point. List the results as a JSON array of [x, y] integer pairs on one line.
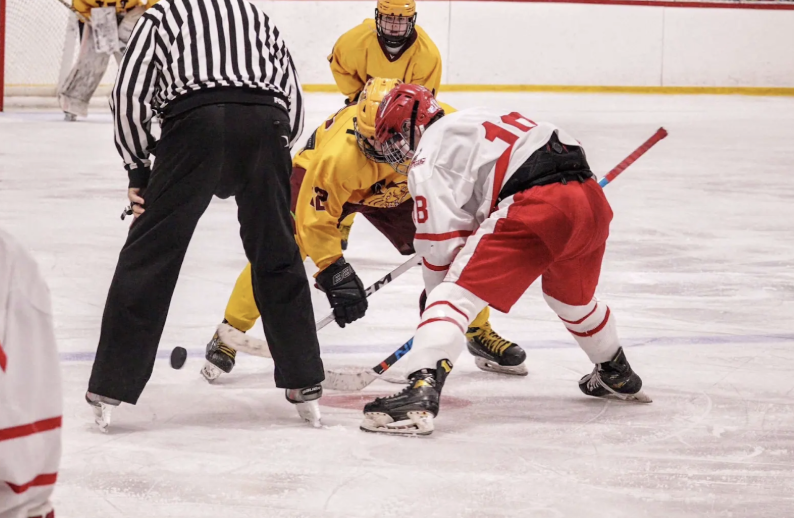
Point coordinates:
[[414, 114]]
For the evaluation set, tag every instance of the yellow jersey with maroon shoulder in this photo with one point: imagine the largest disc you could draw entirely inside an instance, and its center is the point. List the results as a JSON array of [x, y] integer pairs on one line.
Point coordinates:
[[359, 55]]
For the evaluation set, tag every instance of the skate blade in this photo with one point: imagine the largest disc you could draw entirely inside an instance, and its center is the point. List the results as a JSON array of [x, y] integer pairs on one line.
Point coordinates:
[[490, 366], [102, 416], [210, 372], [639, 397], [310, 412], [418, 423]]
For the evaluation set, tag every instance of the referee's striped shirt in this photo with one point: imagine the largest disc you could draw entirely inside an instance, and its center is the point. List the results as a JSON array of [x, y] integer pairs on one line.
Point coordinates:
[[179, 47]]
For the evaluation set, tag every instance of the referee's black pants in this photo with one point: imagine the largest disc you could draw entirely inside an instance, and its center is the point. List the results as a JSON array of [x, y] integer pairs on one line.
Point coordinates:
[[223, 149]]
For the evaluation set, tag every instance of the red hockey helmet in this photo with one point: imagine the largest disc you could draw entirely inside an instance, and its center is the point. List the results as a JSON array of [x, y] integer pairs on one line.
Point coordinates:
[[403, 115]]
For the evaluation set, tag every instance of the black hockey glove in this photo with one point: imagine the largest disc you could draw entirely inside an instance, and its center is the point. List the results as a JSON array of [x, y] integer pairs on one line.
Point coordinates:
[[345, 292]]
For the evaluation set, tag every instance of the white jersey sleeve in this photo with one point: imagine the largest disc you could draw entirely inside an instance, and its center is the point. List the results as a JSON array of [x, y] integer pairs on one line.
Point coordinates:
[[30, 387]]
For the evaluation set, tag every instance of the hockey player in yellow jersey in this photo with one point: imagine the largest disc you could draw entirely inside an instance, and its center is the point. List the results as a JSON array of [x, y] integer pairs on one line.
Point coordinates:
[[391, 45], [342, 171]]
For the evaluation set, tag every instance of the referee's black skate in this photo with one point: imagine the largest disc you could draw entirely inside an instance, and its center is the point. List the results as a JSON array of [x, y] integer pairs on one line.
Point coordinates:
[[614, 380], [412, 410], [220, 358], [492, 353]]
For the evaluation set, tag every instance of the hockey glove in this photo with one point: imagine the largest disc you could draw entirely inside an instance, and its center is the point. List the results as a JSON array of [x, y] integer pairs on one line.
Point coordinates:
[[344, 290]]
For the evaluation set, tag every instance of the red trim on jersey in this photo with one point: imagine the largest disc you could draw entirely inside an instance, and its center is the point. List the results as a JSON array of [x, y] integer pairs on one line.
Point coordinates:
[[592, 331], [442, 319], [46, 479], [3, 359], [448, 303], [444, 236], [581, 319], [45, 425], [434, 267]]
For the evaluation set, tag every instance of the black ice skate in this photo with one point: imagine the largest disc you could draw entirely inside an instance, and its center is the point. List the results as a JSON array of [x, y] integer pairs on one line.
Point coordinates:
[[102, 407], [220, 358], [412, 410], [614, 380], [492, 353], [306, 401]]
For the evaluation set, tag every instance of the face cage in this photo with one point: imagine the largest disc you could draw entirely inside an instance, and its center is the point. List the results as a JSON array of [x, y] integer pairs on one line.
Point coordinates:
[[398, 153], [366, 148], [404, 23]]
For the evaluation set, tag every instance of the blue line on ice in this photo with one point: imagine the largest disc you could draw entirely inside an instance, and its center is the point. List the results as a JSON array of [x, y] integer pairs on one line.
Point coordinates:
[[165, 352]]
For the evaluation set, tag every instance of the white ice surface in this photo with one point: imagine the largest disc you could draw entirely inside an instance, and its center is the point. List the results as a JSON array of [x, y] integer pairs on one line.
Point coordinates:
[[698, 272]]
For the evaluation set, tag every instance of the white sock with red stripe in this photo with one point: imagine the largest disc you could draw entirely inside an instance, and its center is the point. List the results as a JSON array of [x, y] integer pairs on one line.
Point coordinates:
[[441, 334], [592, 326]]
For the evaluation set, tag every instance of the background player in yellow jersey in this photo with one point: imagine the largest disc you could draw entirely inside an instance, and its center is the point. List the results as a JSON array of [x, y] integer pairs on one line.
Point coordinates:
[[391, 45], [343, 171], [79, 86]]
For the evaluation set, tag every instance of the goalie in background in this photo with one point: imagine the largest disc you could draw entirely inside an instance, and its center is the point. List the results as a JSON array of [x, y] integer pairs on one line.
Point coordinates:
[[343, 171], [391, 45], [30, 387], [107, 35]]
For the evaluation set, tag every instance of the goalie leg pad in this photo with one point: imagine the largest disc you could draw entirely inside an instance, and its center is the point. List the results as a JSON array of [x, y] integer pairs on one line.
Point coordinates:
[[81, 83]]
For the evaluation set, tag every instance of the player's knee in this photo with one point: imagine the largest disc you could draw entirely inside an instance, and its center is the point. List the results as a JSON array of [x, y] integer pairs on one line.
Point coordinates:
[[569, 312]]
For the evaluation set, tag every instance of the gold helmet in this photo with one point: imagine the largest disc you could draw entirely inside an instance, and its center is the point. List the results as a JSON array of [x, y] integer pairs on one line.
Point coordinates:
[[395, 21], [364, 124]]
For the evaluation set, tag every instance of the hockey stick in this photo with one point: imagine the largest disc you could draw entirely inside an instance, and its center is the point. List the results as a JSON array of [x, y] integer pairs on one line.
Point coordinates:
[[351, 379], [240, 341], [648, 144]]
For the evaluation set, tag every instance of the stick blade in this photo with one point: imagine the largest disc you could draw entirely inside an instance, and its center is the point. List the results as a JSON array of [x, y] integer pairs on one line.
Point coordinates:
[[348, 379], [240, 341]]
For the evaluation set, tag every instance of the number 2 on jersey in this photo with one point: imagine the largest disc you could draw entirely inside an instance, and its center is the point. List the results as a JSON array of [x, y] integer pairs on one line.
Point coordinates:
[[493, 132], [319, 199]]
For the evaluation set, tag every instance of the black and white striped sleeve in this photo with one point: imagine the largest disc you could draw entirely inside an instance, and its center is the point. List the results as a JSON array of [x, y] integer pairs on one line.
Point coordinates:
[[290, 84], [131, 101], [296, 109]]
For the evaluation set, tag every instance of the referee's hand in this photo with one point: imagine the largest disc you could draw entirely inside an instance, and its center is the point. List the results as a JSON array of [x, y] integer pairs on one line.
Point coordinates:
[[135, 201]]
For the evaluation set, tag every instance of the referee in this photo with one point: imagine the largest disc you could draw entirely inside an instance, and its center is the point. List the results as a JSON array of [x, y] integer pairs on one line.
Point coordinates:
[[221, 78]]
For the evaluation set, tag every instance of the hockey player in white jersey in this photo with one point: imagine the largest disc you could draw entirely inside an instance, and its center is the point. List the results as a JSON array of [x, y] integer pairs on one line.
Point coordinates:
[[499, 200], [30, 388]]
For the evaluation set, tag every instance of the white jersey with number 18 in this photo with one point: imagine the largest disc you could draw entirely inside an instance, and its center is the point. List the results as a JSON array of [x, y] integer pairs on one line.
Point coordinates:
[[458, 170]]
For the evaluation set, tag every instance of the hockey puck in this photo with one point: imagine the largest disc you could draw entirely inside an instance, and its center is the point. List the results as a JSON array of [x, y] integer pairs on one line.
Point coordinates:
[[178, 357]]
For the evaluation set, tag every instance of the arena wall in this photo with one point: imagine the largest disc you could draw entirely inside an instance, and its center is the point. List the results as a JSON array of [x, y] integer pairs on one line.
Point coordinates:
[[518, 45]]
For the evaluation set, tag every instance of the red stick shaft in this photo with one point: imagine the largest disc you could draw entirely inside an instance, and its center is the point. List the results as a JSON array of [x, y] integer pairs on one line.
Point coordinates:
[[648, 144]]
